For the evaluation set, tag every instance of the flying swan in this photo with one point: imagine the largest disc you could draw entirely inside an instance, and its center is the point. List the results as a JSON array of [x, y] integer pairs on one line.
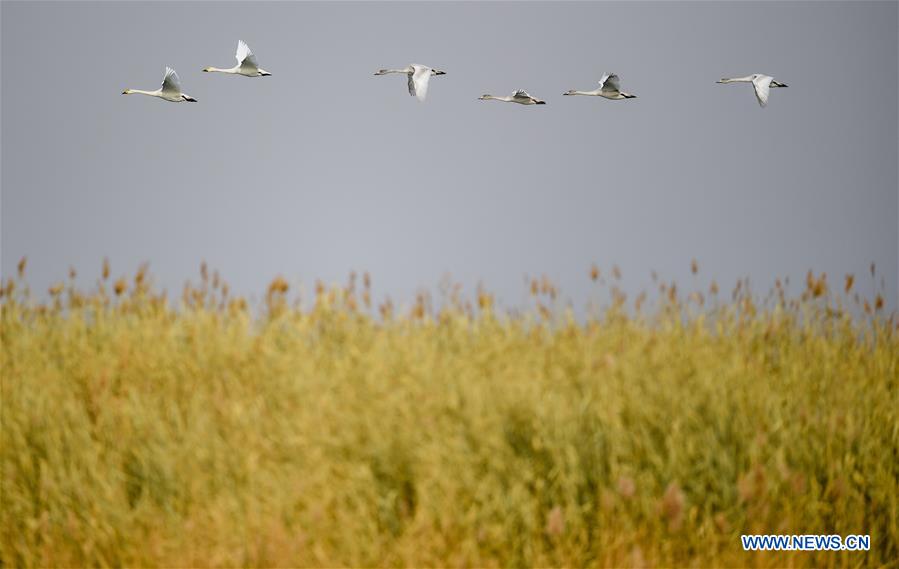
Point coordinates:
[[418, 77], [520, 96], [609, 87], [761, 83], [246, 64], [170, 90]]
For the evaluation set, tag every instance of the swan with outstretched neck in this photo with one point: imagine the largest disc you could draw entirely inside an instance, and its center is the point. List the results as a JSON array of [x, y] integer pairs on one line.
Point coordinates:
[[761, 83], [520, 96], [246, 64], [417, 78], [609, 88], [170, 90]]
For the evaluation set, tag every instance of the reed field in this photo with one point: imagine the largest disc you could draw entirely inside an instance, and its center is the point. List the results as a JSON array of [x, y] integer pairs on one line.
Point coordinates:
[[339, 430]]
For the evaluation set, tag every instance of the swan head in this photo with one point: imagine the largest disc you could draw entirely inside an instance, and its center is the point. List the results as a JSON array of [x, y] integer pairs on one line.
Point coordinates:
[[381, 72], [570, 92], [437, 72], [485, 97], [264, 73], [207, 69], [126, 92], [188, 98]]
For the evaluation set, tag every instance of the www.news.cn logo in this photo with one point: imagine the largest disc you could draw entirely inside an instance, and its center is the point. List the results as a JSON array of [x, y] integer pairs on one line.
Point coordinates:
[[806, 542]]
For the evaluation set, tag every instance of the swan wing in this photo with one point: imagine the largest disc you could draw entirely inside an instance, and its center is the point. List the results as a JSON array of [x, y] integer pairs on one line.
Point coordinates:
[[610, 83], [762, 85], [521, 94], [171, 83], [418, 81], [245, 58]]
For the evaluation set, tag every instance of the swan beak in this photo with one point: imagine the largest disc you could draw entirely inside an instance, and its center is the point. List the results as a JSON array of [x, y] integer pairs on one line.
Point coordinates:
[[265, 74], [720, 81], [125, 92], [205, 70], [439, 72], [541, 102]]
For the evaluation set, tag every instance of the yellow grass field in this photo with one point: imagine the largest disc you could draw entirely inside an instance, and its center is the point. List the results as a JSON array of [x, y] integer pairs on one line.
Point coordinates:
[[141, 431]]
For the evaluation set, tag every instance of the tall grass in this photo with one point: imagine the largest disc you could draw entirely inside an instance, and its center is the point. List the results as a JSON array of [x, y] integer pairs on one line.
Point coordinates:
[[139, 433]]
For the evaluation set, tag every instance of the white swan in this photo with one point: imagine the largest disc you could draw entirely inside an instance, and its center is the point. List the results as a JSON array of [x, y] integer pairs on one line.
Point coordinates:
[[246, 64], [761, 83], [609, 87], [418, 77], [520, 96], [170, 90]]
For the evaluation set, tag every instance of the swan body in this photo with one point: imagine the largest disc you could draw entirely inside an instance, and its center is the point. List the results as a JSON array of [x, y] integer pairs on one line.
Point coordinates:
[[170, 90], [761, 83], [520, 96], [418, 78], [609, 88], [246, 64]]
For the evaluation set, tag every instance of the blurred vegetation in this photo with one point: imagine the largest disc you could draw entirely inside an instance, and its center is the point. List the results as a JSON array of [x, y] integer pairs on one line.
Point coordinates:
[[141, 432]]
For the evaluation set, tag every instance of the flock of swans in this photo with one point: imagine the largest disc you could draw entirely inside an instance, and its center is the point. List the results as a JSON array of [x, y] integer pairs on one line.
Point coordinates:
[[419, 77]]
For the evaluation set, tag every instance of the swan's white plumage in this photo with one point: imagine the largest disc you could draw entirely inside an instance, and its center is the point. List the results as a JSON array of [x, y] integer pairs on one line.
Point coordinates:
[[243, 50], [245, 58], [519, 96], [610, 83], [419, 80], [762, 85], [522, 96], [170, 90], [246, 63], [609, 88], [170, 83]]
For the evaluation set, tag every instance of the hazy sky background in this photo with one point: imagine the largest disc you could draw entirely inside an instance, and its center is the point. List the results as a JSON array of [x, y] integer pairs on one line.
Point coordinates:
[[323, 168]]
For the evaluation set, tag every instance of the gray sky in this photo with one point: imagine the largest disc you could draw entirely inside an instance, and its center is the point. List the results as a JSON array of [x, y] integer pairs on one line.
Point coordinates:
[[323, 168]]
